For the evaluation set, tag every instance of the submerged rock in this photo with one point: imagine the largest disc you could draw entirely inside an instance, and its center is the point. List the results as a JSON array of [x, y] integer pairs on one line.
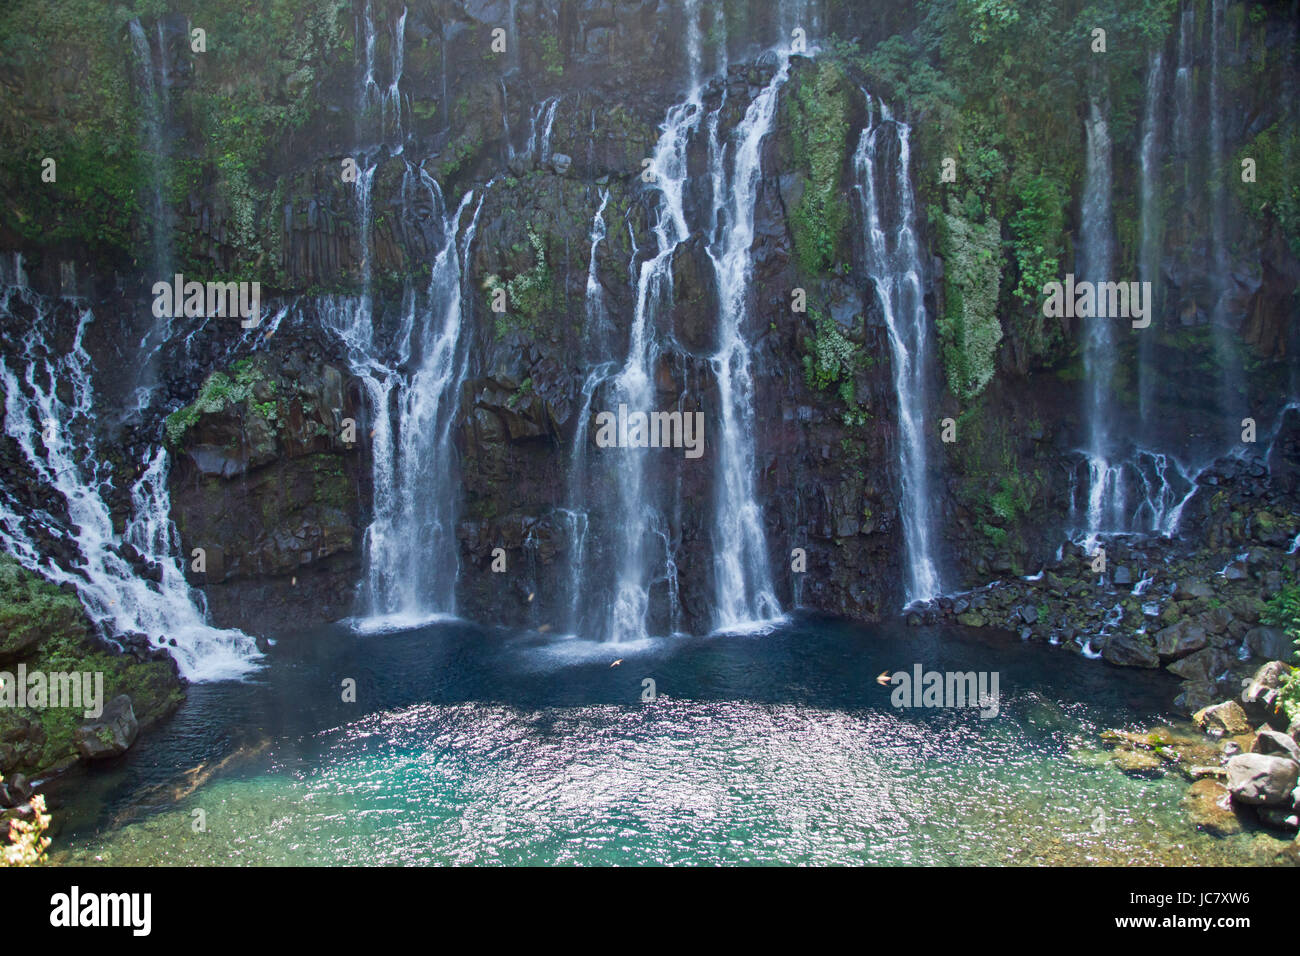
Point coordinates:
[[1208, 806]]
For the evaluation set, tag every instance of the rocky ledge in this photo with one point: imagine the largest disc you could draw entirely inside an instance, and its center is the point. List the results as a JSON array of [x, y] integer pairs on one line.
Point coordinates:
[[1196, 608]]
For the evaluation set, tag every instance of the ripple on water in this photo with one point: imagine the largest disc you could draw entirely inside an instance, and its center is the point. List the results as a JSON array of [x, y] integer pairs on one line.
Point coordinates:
[[669, 781]]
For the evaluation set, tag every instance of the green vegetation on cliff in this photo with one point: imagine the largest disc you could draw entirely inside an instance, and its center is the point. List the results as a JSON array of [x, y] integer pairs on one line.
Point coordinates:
[[818, 114], [1283, 610], [969, 329], [248, 379], [993, 91], [46, 629], [832, 361], [529, 294], [1275, 193]]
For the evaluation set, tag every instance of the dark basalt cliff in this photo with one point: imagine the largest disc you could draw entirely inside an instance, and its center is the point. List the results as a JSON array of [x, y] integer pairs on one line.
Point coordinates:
[[256, 134]]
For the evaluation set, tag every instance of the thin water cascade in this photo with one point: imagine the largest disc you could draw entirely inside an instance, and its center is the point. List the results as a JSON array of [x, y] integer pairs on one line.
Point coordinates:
[[153, 122], [157, 331], [743, 593], [1184, 93], [1151, 231], [892, 261], [1097, 262], [376, 103], [581, 485], [539, 130], [58, 442], [1221, 324]]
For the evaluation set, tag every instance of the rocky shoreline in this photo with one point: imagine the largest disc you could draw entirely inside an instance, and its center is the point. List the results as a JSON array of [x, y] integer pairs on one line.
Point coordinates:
[[1191, 607], [1241, 763]]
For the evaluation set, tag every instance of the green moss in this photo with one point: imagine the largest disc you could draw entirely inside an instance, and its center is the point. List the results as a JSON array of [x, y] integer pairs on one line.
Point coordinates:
[[969, 329], [1275, 194], [552, 58], [32, 609], [818, 114], [832, 361], [29, 604], [219, 391]]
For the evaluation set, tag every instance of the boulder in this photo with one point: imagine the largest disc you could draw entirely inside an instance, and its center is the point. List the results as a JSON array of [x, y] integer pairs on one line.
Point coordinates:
[[1262, 779], [1131, 650], [110, 734], [1276, 743], [1268, 642], [1180, 640], [1207, 665], [1196, 695], [1226, 718], [1187, 590], [14, 791], [1260, 696]]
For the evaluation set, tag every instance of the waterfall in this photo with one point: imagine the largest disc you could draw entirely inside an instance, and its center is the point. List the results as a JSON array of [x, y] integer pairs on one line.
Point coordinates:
[[382, 103], [579, 491], [412, 388], [505, 122], [694, 44], [1184, 96], [153, 123], [157, 332], [638, 516], [1097, 255], [743, 592], [1222, 326], [1151, 233], [594, 300], [51, 416], [411, 376], [892, 261], [539, 129]]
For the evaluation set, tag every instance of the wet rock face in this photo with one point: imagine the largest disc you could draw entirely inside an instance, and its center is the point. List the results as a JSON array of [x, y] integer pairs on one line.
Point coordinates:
[[269, 485]]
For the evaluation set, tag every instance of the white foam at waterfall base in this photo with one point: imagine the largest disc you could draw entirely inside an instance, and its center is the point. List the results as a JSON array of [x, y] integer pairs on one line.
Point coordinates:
[[115, 597]]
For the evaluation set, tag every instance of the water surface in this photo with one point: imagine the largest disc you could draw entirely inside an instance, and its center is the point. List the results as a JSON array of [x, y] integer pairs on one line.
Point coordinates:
[[471, 745]]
